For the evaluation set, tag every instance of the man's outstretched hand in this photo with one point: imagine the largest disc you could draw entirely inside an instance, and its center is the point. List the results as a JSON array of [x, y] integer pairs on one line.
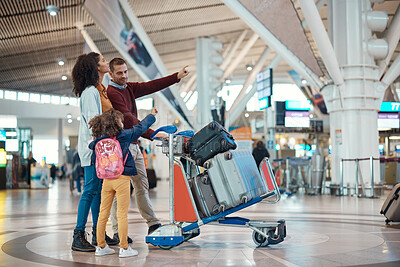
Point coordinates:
[[183, 72]]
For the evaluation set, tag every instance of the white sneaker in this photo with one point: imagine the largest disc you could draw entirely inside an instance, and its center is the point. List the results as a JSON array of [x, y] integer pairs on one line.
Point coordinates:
[[129, 252], [104, 251]]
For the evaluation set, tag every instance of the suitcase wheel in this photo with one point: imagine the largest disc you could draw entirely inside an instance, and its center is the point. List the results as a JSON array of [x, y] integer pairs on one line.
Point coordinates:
[[228, 155], [207, 165], [215, 209], [221, 208], [205, 180]]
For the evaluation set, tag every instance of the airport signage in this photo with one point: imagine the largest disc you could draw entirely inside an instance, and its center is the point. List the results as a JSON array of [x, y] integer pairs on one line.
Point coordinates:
[[390, 106]]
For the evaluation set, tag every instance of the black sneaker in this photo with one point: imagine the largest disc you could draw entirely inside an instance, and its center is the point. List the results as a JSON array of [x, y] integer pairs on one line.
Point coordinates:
[[80, 243], [109, 240], [116, 237], [153, 228]]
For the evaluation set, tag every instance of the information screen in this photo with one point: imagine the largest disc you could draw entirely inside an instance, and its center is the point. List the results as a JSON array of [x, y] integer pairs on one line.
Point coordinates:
[[297, 119], [388, 120]]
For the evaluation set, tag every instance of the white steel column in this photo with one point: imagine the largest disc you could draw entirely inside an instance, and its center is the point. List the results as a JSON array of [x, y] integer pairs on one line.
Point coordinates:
[[353, 113], [202, 81], [60, 127]]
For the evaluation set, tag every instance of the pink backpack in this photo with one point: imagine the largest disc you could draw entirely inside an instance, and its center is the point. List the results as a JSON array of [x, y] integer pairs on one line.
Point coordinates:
[[109, 163]]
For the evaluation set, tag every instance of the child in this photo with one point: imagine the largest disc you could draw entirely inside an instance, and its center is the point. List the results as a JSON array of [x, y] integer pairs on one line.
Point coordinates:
[[110, 124]]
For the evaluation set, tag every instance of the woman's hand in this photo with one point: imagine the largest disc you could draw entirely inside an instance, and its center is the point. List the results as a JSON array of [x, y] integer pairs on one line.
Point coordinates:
[[153, 111]]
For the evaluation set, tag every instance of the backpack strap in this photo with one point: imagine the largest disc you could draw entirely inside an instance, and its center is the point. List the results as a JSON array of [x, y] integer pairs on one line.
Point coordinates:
[[126, 157]]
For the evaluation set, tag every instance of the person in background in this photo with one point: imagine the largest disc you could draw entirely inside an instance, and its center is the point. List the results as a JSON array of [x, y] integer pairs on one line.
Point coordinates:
[[260, 152], [53, 172], [77, 171], [122, 95], [30, 161], [110, 124], [87, 75]]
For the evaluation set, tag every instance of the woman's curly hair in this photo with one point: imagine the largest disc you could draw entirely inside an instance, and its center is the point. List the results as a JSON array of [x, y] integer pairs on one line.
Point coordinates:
[[106, 123], [85, 72]]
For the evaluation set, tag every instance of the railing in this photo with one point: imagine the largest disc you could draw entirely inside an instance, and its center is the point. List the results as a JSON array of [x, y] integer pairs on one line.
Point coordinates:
[[357, 165]]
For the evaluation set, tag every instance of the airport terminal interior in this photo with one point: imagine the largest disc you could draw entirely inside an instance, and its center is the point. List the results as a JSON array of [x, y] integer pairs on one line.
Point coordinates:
[[280, 143]]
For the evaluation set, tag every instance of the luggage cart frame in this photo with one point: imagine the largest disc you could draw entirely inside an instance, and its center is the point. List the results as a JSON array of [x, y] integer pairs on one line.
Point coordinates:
[[174, 233]]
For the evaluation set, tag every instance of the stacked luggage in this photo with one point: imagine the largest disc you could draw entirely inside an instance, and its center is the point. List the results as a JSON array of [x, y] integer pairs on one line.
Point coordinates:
[[231, 178]]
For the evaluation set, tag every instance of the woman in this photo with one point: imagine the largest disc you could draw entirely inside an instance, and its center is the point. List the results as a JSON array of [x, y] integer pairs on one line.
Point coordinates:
[[87, 75]]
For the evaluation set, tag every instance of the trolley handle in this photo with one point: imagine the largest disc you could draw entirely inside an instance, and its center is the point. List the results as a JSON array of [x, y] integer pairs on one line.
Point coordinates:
[[266, 170], [188, 133], [169, 129]]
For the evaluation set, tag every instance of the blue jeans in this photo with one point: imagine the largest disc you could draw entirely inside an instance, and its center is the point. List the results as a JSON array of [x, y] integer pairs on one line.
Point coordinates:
[[90, 198], [78, 183]]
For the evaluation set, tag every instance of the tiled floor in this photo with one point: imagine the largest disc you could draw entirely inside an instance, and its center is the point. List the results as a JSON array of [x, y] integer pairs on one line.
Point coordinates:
[[36, 230]]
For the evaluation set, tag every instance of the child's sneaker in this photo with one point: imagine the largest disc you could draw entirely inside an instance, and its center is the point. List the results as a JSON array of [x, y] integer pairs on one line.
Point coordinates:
[[104, 251], [129, 252]]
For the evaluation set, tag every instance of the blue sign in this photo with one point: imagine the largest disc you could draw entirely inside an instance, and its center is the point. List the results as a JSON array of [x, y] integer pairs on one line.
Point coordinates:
[[270, 144], [297, 105], [264, 103], [390, 106], [3, 136]]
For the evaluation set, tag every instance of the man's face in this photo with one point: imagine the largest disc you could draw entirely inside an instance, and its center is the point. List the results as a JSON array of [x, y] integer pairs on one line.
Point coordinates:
[[120, 74]]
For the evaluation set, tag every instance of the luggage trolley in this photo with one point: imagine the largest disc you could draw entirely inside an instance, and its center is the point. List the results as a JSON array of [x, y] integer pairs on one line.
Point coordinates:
[[184, 218]]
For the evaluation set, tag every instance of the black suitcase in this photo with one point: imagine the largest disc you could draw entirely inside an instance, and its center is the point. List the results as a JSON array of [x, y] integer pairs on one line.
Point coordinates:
[[391, 207], [151, 176], [208, 142], [204, 195]]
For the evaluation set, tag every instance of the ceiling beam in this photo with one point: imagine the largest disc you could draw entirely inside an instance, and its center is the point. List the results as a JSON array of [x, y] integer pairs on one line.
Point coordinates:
[[240, 56], [321, 39], [274, 43]]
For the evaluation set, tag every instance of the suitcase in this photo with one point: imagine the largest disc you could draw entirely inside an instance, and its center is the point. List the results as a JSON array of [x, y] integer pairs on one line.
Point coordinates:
[[235, 178], [151, 177], [391, 207], [204, 196], [208, 142]]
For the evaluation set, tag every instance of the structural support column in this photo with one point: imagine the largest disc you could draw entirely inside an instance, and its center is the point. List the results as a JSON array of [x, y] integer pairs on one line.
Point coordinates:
[[352, 105], [61, 154]]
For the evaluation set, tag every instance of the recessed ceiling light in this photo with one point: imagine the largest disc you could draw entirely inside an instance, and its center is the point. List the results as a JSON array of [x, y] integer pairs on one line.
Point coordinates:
[[64, 77], [52, 10], [227, 80], [60, 61], [249, 67]]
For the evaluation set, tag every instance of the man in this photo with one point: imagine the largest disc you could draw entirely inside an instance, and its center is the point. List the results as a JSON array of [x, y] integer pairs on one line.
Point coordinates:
[[122, 95]]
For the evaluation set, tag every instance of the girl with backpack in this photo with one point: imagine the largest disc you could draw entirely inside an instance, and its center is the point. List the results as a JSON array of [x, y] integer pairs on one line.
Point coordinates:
[[114, 164]]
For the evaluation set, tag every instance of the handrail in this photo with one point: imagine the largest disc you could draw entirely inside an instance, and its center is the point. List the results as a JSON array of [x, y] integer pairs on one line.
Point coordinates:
[[357, 160]]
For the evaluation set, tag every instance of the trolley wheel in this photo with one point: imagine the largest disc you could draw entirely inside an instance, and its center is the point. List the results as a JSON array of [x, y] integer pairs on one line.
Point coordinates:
[[273, 238], [190, 236], [165, 247], [259, 239]]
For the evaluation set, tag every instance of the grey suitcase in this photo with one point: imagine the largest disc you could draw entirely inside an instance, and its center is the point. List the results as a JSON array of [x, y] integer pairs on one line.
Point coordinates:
[[204, 196], [235, 178], [391, 207]]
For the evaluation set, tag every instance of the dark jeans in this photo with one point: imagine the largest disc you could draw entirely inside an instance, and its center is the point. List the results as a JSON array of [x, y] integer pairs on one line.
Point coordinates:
[[90, 198]]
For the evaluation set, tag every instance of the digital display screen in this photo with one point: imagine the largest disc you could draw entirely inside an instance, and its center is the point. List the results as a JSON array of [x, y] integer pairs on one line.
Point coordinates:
[[388, 120], [297, 119]]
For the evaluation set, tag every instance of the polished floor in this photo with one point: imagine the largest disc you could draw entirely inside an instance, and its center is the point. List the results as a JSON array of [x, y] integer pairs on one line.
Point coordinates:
[[36, 230]]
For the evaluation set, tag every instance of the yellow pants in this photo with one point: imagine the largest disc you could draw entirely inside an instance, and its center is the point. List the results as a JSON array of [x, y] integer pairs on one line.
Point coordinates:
[[121, 188]]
